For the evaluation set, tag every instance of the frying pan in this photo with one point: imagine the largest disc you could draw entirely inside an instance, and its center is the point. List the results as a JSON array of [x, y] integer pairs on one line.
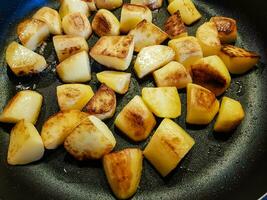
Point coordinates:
[[219, 166]]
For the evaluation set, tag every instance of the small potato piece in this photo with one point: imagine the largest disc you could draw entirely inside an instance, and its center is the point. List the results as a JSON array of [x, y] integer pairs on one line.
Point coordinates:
[[202, 105], [117, 81], [163, 101], [230, 115], [167, 147], [238, 60], [123, 171], [105, 23], [152, 58], [51, 18], [102, 104], [132, 14], [147, 34], [227, 29], [75, 68], [152, 4], [68, 45], [135, 120], [114, 52], [73, 6], [57, 127], [108, 4], [91, 139], [211, 73], [91, 5], [77, 24], [208, 38], [175, 27], [23, 61], [32, 32], [188, 11], [25, 145], [73, 96], [187, 50], [173, 74], [25, 105]]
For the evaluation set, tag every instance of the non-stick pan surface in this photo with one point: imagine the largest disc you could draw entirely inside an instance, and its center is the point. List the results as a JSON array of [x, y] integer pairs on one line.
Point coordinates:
[[218, 167]]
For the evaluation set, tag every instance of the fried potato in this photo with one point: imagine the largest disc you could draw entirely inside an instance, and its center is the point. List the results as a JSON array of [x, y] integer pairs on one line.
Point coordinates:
[[174, 26], [152, 4], [108, 4], [73, 6], [91, 5]]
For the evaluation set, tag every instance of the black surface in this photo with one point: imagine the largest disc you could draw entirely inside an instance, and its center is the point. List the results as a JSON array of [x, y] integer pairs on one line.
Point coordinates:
[[217, 167]]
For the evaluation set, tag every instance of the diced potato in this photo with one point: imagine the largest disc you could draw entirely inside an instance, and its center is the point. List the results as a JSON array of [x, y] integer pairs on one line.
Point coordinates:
[[163, 101], [152, 58], [117, 81], [91, 4], [25, 144], [187, 50], [211, 73], [77, 24], [175, 27], [32, 32], [167, 147], [105, 23], [188, 11], [238, 60], [68, 45], [227, 29], [173, 74], [23, 61], [108, 4], [123, 171], [114, 52], [202, 105], [75, 68], [57, 127], [73, 96], [102, 104], [230, 115], [91, 139], [51, 18], [135, 120], [132, 14], [147, 34], [72, 6], [24, 105], [152, 4], [208, 38]]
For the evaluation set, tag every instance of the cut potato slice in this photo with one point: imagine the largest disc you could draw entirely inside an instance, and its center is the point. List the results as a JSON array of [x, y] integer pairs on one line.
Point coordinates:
[[132, 14], [163, 101], [167, 147], [173, 74], [24, 105], [72, 6], [202, 105], [115, 52], [147, 34], [211, 73], [102, 104], [151, 58], [123, 170], [75, 68], [25, 145], [91, 139], [230, 115], [57, 127], [73, 96], [117, 81], [91, 5], [108, 4], [175, 27], [23, 61], [67, 45], [152, 4], [135, 120], [51, 18], [238, 60]]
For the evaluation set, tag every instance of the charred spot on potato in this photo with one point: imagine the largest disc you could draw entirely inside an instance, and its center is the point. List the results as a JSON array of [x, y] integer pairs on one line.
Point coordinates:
[[234, 51], [171, 143], [224, 25], [205, 98], [71, 50], [136, 120], [78, 21], [174, 25], [103, 25]]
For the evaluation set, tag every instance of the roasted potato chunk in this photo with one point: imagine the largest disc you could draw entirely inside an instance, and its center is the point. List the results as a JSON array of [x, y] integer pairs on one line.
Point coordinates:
[[152, 4], [135, 120], [91, 4], [238, 60], [114, 52], [108, 4], [202, 105], [22, 61], [91, 139], [73, 6], [174, 26], [123, 171], [167, 147], [24, 105]]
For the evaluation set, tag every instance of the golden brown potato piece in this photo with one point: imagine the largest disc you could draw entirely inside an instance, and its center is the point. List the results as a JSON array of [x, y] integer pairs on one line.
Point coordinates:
[[108, 4], [175, 27], [91, 4], [152, 4], [72, 6]]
